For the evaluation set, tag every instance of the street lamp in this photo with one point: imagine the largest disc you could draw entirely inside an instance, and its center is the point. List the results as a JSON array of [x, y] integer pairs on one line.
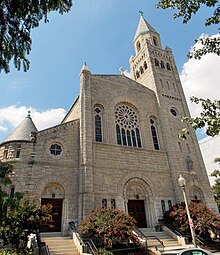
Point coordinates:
[[182, 183]]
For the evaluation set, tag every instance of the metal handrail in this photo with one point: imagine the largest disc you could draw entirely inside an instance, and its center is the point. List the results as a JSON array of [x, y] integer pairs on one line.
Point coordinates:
[[180, 233], [47, 250], [85, 243], [147, 237], [91, 245]]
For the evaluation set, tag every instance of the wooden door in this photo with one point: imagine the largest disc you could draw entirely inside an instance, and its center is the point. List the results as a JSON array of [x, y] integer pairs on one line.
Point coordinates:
[[56, 214], [137, 210]]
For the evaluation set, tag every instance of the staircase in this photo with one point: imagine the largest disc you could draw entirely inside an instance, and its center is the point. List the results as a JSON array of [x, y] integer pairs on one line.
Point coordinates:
[[171, 246], [59, 245]]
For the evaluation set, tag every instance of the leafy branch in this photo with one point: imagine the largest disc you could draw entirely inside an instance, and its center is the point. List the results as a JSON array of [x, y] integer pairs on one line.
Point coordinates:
[[209, 117]]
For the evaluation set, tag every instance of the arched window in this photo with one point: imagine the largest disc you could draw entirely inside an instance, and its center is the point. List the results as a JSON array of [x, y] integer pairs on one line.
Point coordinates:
[[127, 125], [141, 70], [162, 64], [145, 65], [161, 82], [156, 62], [118, 133], [168, 66], [170, 204], [155, 41], [98, 124], [154, 134], [138, 45], [163, 206], [137, 75]]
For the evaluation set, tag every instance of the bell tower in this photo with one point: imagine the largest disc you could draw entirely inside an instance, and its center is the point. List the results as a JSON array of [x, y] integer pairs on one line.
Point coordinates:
[[154, 67]]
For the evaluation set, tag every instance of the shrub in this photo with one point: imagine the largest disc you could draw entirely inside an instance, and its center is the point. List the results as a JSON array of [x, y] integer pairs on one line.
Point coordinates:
[[204, 219], [109, 228]]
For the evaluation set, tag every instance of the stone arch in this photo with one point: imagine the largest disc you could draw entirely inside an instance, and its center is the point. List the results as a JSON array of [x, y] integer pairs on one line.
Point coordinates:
[[43, 182], [196, 194], [136, 190], [53, 190], [135, 185]]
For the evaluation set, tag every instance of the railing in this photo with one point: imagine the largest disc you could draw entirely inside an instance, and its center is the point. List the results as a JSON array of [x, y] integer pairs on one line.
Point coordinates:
[[146, 238], [43, 249], [87, 244], [41, 246], [178, 232]]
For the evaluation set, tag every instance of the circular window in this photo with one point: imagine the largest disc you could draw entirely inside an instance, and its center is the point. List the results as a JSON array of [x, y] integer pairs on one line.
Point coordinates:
[[126, 116], [55, 149], [174, 112]]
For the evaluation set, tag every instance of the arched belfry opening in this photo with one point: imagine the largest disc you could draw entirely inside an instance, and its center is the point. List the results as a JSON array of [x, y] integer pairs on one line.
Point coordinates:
[[138, 201], [53, 193]]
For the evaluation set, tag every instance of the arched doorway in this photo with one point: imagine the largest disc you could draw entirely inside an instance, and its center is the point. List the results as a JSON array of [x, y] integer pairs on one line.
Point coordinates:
[[53, 194], [196, 194], [138, 194]]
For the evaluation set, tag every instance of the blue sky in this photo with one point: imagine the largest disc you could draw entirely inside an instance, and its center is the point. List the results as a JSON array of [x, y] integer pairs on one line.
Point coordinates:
[[101, 33]]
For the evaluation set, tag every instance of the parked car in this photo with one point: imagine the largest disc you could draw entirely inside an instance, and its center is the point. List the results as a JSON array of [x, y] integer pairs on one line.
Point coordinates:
[[194, 251]]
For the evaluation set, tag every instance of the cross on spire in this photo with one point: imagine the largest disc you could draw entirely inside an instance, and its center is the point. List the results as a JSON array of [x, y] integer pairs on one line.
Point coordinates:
[[141, 13]]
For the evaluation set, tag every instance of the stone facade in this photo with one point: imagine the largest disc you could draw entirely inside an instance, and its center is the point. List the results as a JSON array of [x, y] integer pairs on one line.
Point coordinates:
[[118, 145]]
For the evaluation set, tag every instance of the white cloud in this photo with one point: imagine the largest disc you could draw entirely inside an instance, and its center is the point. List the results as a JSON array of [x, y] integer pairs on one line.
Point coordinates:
[[3, 129], [12, 116], [201, 78]]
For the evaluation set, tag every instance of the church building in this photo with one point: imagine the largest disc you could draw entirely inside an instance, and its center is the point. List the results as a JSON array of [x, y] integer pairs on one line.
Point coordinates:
[[117, 146]]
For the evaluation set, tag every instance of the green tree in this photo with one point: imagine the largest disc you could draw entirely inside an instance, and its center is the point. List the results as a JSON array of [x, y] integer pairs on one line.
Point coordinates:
[[22, 221], [209, 117], [18, 216], [5, 200], [186, 9], [17, 19], [216, 186], [5, 172]]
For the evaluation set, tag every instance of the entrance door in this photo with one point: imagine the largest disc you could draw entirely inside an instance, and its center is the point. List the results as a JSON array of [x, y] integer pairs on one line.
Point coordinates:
[[56, 214], [137, 211]]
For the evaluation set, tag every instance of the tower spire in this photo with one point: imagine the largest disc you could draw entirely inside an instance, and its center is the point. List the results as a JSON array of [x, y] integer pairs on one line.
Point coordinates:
[[143, 27]]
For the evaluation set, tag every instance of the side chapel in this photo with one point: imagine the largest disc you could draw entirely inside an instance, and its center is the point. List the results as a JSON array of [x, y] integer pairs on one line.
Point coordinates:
[[116, 147]]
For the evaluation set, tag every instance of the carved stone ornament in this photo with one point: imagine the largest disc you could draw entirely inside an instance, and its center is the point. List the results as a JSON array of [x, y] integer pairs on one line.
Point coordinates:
[[54, 190], [135, 192]]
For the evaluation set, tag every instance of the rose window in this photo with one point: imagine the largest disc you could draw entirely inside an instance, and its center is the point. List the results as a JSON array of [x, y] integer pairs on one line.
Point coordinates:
[[127, 126], [126, 116]]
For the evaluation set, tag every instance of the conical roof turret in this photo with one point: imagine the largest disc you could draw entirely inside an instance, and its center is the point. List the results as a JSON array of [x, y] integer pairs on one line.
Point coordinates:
[[143, 27], [23, 131]]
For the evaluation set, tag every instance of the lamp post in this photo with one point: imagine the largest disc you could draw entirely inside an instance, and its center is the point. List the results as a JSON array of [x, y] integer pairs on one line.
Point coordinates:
[[182, 183]]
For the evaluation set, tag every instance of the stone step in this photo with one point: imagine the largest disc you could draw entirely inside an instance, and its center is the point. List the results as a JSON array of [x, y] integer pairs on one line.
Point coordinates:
[[60, 245], [171, 245]]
